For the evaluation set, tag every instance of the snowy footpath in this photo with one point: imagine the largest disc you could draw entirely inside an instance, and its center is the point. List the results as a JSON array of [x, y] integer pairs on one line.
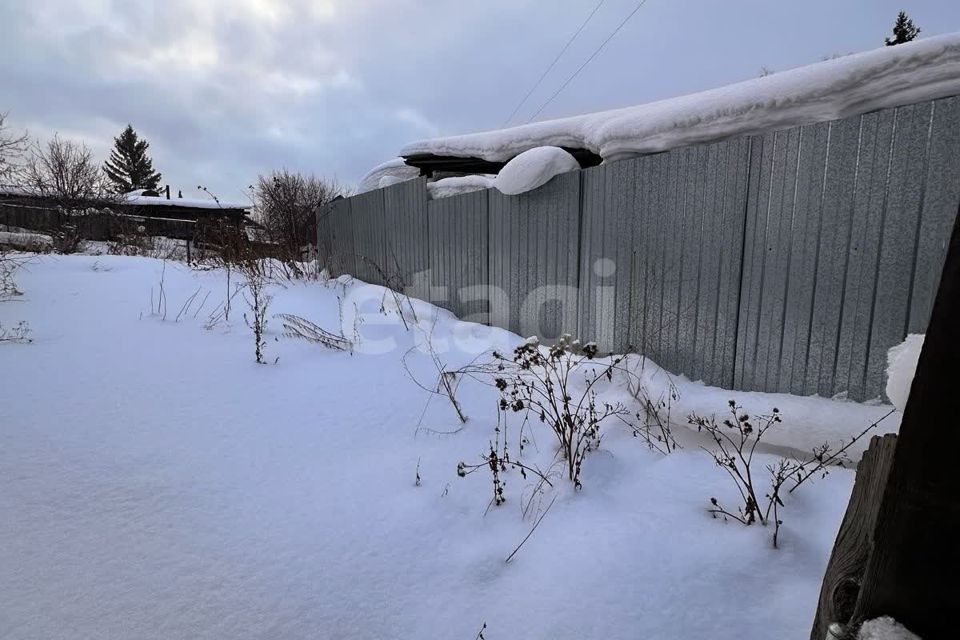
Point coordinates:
[[155, 482]]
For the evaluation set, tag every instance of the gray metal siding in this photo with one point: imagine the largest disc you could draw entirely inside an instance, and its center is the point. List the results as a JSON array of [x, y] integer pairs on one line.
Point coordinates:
[[406, 240], [534, 257], [459, 252], [846, 231], [606, 241], [790, 261]]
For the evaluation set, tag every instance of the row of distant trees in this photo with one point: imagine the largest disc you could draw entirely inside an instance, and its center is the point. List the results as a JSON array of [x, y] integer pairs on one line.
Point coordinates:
[[66, 173]]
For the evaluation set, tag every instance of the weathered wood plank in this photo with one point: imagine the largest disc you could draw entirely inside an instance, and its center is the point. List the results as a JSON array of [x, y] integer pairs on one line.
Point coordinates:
[[844, 574], [911, 573]]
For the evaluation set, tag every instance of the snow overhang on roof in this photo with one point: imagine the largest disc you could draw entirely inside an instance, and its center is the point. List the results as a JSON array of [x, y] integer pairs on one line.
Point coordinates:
[[137, 198], [888, 77], [13, 190]]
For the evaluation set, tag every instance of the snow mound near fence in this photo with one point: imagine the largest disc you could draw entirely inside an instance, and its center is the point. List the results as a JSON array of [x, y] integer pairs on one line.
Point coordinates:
[[885, 628], [808, 421], [887, 77], [25, 240], [901, 367], [534, 168]]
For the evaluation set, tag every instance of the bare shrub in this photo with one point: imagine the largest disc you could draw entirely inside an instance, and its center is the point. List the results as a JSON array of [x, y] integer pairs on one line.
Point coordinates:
[[19, 333], [556, 386], [654, 422], [302, 329], [286, 204], [736, 438], [497, 461], [67, 238], [447, 381], [12, 146], [9, 265], [158, 303], [64, 172], [130, 239], [258, 299], [541, 382]]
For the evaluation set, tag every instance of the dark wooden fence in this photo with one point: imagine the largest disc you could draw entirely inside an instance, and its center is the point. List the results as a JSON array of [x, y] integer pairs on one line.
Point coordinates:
[[93, 224]]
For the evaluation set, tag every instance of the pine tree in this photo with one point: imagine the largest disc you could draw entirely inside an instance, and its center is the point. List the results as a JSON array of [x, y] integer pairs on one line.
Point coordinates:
[[129, 166], [903, 31]]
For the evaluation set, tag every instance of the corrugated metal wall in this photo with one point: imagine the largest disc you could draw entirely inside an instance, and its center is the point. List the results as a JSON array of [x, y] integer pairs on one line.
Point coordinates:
[[846, 235], [785, 262], [533, 258], [405, 217], [457, 229]]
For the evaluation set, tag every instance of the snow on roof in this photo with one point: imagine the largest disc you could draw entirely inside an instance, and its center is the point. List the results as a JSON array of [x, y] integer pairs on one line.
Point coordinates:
[[887, 77], [137, 198], [528, 171], [14, 190], [392, 170], [454, 186]]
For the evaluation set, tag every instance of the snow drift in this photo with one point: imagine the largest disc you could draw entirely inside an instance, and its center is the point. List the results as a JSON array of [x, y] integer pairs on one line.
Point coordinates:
[[901, 367], [886, 77], [534, 168], [885, 628], [177, 489]]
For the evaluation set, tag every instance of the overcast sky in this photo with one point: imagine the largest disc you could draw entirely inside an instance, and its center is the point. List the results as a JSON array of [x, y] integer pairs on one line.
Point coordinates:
[[227, 89]]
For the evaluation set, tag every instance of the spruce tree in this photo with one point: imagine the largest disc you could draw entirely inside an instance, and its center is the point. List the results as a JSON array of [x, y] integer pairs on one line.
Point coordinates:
[[129, 166], [903, 30]]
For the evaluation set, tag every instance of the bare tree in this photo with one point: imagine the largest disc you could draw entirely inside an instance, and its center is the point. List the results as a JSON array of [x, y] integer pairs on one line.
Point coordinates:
[[12, 146], [287, 204], [64, 172]]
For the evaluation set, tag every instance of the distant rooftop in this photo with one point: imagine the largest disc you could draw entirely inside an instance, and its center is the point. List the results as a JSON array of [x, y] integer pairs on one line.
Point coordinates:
[[143, 197]]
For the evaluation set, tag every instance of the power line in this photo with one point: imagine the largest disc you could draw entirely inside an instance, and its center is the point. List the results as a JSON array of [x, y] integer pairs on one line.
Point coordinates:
[[587, 61], [550, 67]]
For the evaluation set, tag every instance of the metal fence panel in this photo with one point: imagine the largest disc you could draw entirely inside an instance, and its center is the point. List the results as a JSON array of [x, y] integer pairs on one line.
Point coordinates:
[[606, 244], [841, 255], [406, 241], [902, 205], [840, 180], [534, 262], [868, 209], [369, 237], [459, 253], [940, 196], [790, 261], [343, 257], [804, 254]]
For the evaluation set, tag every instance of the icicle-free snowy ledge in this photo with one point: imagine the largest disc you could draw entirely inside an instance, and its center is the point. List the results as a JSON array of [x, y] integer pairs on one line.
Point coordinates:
[[888, 77]]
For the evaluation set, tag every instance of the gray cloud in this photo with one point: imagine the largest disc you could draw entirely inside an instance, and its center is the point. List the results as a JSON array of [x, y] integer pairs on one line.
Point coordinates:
[[226, 89]]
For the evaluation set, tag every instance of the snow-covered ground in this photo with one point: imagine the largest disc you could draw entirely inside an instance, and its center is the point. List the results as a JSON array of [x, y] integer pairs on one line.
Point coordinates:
[[157, 483]]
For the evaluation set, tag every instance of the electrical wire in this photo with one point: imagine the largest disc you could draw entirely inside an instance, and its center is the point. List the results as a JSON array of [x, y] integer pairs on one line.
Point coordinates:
[[587, 61], [552, 64]]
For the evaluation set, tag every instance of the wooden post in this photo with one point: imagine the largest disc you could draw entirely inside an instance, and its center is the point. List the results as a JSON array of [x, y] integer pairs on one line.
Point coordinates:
[[913, 571], [844, 575]]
